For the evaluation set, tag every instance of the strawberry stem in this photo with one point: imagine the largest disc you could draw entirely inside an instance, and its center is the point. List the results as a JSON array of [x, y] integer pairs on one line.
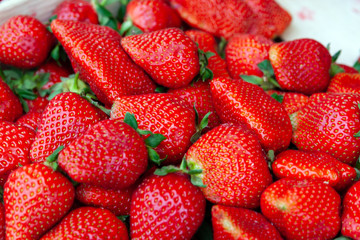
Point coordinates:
[[51, 160], [199, 125]]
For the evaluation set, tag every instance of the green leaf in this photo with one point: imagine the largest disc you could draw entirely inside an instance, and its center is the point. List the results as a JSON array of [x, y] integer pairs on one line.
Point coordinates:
[[144, 132], [335, 56], [271, 155], [154, 156], [123, 217], [52, 18], [277, 97], [208, 55], [131, 120], [166, 170], [133, 31], [195, 171], [195, 136], [154, 140], [197, 181], [357, 134], [252, 79], [342, 238], [125, 27], [26, 94], [55, 154], [122, 10], [335, 69], [221, 47], [205, 121], [55, 53], [160, 89], [208, 74], [357, 65], [266, 67], [196, 114], [24, 104]]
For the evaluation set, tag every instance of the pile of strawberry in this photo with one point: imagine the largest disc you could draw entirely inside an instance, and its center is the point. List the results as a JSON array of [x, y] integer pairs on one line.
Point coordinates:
[[176, 119]]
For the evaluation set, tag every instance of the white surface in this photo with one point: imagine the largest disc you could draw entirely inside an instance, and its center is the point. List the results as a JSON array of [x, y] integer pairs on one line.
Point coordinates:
[[327, 21]]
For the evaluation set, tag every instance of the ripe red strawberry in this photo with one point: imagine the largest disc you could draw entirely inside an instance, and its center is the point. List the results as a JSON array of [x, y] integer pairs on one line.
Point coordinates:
[[37, 105], [231, 223], [346, 68], [207, 43], [30, 120], [329, 123], [66, 117], [77, 10], [244, 52], [237, 101], [161, 113], [168, 56], [315, 166], [96, 53], [271, 19], [10, 106], [199, 94], [222, 18], [152, 15], [24, 42], [88, 223], [302, 209], [35, 198], [166, 207], [14, 148], [345, 83], [291, 101], [55, 71], [2, 221], [301, 65], [110, 154], [351, 211], [234, 166], [117, 201]]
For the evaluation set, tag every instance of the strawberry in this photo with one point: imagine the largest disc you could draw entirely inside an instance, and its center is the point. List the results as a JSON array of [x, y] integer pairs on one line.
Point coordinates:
[[35, 198], [237, 101], [240, 223], [164, 114], [302, 209], [345, 83], [351, 211], [106, 67], [244, 52], [15, 147], [24, 42], [317, 166], [109, 154], [38, 104], [117, 201], [66, 117], [222, 18], [168, 56], [346, 68], [152, 15], [207, 43], [55, 73], [88, 223], [291, 101], [271, 19], [233, 164], [2, 221], [329, 123], [77, 10], [30, 120], [301, 65], [199, 94], [10, 106], [166, 207]]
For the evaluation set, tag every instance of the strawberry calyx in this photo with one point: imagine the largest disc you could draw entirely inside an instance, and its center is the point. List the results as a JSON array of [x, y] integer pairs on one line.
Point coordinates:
[[51, 160], [128, 28], [105, 17], [335, 69], [221, 47], [58, 54], [278, 97], [200, 125], [151, 141], [271, 158], [267, 82], [205, 73], [357, 65], [190, 168]]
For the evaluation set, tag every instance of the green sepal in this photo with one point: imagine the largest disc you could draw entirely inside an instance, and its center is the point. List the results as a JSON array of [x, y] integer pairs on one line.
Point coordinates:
[[105, 17], [342, 238], [278, 97], [252, 79], [55, 53], [131, 120], [357, 65], [154, 140], [123, 218], [94, 101], [335, 56], [51, 161], [205, 73], [1, 195], [221, 47], [122, 10], [335, 69], [266, 67], [128, 29], [52, 18], [199, 125], [161, 89], [154, 156], [166, 170], [357, 134], [197, 181]]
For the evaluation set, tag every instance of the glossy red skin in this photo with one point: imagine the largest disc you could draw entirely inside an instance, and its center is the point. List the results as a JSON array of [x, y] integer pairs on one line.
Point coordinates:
[[65, 118], [237, 101], [2, 221], [14, 148], [347, 69], [24, 42], [302, 209], [110, 154], [35, 199], [77, 10], [106, 68], [207, 43], [345, 83], [166, 207], [292, 101], [30, 120], [117, 201], [301, 65], [55, 71], [328, 124], [351, 211], [150, 15], [200, 95], [168, 56], [234, 166], [222, 18], [161, 113], [271, 19], [10, 106], [88, 223], [37, 105], [313, 166], [244, 52], [231, 223]]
